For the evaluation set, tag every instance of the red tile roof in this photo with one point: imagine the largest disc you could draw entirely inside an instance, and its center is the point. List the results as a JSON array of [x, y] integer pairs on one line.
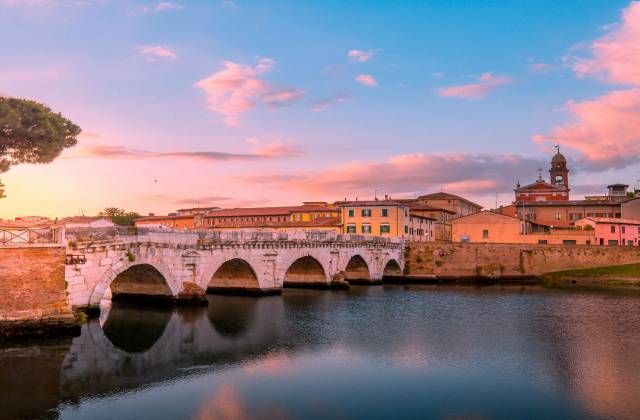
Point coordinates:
[[614, 220], [318, 222]]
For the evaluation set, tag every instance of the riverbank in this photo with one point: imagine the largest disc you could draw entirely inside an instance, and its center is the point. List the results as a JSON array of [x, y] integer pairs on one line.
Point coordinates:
[[601, 278]]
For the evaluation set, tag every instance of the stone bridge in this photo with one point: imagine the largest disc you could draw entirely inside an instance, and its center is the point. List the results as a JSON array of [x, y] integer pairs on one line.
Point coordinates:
[[182, 266]]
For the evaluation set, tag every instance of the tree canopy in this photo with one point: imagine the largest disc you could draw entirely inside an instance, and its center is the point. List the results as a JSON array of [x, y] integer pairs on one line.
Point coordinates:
[[119, 216], [31, 133]]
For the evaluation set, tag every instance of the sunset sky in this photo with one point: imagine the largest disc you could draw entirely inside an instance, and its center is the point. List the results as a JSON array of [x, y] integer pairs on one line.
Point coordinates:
[[246, 103]]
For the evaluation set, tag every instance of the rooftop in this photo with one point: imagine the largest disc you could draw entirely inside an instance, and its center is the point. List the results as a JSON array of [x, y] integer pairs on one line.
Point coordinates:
[[613, 220], [447, 196], [268, 211], [318, 222], [370, 203]]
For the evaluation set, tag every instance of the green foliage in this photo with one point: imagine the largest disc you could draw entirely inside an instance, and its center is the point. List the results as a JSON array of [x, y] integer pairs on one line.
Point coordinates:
[[130, 256], [119, 216], [31, 133]]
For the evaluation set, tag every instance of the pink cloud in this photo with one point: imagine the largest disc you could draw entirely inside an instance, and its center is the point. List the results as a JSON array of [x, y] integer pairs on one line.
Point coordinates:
[[402, 174], [237, 89], [606, 130], [153, 52], [360, 56], [615, 56], [366, 79], [487, 82]]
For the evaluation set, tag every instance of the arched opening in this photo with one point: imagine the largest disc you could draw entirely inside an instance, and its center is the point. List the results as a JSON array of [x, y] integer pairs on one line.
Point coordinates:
[[232, 316], [357, 270], [140, 282], [392, 269], [135, 329], [305, 272], [234, 276]]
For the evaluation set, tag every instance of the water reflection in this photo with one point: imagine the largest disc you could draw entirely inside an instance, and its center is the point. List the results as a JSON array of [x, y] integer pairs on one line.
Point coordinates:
[[135, 329], [370, 352]]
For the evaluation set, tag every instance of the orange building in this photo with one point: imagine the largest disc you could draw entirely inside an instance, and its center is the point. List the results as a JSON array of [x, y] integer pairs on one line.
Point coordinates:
[[271, 216], [173, 222]]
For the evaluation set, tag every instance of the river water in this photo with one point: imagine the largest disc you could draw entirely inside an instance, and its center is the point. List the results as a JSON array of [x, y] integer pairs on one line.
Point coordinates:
[[376, 352]]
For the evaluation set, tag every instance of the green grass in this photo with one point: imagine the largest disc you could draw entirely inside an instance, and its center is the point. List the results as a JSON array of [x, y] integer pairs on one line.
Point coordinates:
[[630, 270]]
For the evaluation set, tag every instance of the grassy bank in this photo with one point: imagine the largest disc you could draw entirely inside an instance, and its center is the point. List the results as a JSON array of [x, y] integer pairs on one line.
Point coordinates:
[[627, 275]]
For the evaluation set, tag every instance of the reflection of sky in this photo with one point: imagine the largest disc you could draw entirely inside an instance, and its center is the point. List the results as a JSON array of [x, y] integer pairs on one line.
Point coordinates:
[[381, 351]]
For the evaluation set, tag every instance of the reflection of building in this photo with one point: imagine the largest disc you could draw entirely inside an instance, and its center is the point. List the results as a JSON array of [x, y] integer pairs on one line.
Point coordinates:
[[377, 217]]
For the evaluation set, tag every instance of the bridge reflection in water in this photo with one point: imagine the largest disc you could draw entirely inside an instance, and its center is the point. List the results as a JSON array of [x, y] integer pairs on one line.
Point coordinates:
[[365, 352]]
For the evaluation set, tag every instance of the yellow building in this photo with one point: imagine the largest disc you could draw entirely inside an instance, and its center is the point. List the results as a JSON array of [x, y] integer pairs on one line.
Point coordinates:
[[385, 218]]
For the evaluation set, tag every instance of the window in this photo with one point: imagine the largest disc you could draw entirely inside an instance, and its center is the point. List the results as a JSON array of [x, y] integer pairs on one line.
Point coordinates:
[[351, 212], [406, 229], [406, 213], [385, 228], [612, 242], [351, 228], [366, 213], [588, 242], [569, 242], [630, 242], [464, 238], [623, 229], [385, 212], [558, 216], [601, 241], [366, 228], [485, 233], [543, 241], [613, 229]]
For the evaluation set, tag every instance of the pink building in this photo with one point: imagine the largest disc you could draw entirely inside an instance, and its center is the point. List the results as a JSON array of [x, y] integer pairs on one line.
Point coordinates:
[[610, 231]]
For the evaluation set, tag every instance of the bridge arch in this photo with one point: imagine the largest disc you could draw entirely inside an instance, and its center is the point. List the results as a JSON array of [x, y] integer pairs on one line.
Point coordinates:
[[305, 271], [357, 270], [392, 269], [233, 274], [140, 277]]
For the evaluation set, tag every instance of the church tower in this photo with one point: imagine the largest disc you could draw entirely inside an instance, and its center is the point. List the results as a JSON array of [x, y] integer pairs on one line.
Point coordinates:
[[559, 172]]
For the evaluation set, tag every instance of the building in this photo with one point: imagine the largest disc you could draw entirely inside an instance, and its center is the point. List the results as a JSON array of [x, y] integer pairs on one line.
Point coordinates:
[[86, 222], [181, 222], [385, 218], [612, 231], [333, 224], [32, 220], [441, 218], [308, 211], [458, 205], [557, 189], [421, 228], [491, 227], [565, 213], [195, 210]]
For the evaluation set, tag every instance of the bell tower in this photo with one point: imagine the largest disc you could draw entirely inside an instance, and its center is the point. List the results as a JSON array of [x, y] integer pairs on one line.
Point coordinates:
[[559, 172]]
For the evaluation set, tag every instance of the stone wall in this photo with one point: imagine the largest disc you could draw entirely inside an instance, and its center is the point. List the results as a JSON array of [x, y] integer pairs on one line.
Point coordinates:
[[33, 295], [447, 260]]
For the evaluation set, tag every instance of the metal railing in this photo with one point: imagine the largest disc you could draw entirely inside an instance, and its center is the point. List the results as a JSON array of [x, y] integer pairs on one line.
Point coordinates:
[[31, 235]]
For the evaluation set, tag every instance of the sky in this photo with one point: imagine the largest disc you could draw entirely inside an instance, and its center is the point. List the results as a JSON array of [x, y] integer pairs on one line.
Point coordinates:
[[258, 103]]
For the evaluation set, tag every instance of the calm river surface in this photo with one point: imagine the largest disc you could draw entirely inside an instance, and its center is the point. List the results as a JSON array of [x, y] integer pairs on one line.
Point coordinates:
[[366, 353]]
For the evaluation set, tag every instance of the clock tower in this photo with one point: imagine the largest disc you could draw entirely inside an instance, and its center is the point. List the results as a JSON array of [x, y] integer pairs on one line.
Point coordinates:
[[559, 173]]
